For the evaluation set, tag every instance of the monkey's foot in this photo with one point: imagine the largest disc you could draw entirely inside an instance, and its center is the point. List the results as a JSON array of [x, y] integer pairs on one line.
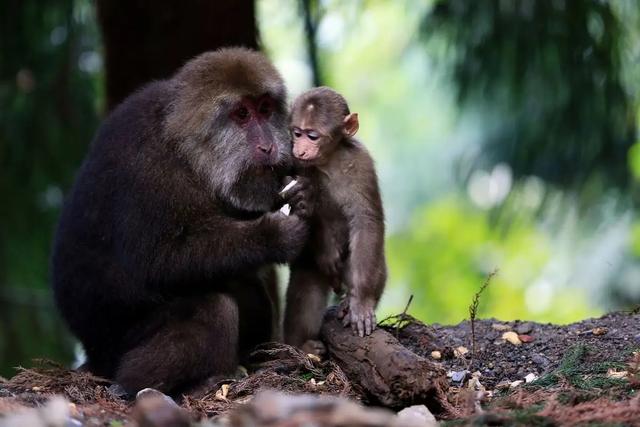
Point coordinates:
[[359, 314], [315, 347]]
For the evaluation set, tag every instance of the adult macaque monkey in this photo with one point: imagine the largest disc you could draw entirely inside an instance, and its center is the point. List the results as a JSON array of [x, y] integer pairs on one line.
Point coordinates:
[[347, 229], [168, 237]]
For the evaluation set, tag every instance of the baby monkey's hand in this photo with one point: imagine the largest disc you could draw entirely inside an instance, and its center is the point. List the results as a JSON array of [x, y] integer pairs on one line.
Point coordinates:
[[300, 195], [359, 313]]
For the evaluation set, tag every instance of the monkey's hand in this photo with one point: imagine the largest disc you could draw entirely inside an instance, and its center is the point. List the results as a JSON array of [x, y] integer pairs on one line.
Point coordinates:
[[359, 313], [301, 197], [290, 234], [329, 261]]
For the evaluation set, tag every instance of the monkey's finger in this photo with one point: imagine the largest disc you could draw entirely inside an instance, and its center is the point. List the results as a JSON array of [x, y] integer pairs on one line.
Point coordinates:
[[346, 321], [361, 326], [295, 198], [367, 326]]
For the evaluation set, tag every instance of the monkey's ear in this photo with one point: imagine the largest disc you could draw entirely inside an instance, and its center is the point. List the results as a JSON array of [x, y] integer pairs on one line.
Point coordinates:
[[351, 124]]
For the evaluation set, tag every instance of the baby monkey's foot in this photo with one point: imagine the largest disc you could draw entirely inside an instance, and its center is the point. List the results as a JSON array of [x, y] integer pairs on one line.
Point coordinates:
[[359, 314]]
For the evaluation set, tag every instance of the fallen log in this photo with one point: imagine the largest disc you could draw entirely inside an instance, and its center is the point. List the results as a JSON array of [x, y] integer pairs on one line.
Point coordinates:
[[388, 373]]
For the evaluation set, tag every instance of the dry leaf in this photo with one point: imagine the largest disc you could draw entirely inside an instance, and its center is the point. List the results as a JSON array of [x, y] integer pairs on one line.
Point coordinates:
[[512, 337], [525, 338], [314, 357], [619, 375], [222, 392]]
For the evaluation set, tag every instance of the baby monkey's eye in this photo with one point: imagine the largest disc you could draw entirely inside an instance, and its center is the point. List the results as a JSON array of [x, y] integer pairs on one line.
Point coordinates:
[[297, 133], [312, 135]]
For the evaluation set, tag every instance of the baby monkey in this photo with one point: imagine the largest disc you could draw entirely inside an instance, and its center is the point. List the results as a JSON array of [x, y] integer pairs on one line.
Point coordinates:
[[346, 243]]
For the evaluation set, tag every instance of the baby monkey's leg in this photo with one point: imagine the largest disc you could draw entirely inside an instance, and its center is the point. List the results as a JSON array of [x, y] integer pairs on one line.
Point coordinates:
[[305, 306]]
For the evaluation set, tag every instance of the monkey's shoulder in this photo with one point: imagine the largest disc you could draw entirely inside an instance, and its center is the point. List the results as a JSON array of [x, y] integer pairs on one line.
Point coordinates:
[[350, 183], [350, 161]]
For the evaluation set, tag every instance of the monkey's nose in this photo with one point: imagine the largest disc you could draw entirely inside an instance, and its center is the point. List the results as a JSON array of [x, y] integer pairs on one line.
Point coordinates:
[[266, 149]]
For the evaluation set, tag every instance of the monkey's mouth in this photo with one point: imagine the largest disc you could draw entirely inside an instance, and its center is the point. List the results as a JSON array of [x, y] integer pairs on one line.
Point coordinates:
[[304, 162], [264, 166]]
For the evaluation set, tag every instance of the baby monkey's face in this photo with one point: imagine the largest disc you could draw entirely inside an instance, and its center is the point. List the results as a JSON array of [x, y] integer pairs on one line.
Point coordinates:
[[310, 146], [314, 145]]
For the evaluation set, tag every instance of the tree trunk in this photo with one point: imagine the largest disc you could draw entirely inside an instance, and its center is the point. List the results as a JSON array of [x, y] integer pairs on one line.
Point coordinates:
[[146, 40]]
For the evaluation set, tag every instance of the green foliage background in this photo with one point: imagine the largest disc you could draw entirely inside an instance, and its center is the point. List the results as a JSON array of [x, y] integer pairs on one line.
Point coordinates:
[[538, 95], [49, 98]]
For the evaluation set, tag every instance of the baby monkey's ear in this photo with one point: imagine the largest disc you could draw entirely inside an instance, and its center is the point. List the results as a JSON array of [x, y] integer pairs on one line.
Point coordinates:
[[350, 124]]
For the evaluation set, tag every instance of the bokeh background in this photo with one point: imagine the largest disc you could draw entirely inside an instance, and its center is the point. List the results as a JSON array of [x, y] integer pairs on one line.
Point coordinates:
[[504, 132]]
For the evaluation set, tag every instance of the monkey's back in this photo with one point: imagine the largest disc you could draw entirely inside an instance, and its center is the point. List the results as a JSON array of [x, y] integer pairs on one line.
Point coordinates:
[[110, 224]]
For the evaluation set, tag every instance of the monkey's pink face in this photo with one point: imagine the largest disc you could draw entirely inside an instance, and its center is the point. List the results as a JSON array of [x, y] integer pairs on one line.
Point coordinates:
[[253, 116], [306, 144]]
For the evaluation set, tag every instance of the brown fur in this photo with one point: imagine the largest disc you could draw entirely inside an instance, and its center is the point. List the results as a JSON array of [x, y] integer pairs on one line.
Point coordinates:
[[347, 235], [164, 253]]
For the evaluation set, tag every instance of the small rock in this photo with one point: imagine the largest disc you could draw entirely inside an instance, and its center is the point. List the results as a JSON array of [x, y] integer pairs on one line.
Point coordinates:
[[530, 377], [524, 328], [599, 331], [458, 377], [525, 338], [511, 337], [417, 415], [156, 409], [436, 355], [54, 413], [500, 327], [515, 384], [474, 382], [637, 338], [503, 385], [270, 408], [460, 351], [117, 391], [540, 360]]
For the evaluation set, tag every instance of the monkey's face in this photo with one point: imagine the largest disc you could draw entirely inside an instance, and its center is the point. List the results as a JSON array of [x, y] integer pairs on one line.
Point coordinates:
[[229, 120], [310, 146], [320, 121], [252, 118], [250, 151]]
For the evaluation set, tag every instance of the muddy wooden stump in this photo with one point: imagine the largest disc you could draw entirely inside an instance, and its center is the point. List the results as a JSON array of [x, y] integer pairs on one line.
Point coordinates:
[[389, 373]]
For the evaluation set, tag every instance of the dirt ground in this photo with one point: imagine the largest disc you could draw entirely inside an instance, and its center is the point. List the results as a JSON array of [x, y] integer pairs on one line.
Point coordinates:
[[609, 340], [586, 373]]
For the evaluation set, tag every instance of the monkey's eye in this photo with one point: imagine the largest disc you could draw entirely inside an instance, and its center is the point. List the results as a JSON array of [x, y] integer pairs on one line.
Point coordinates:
[[265, 108], [313, 136], [241, 114], [296, 133]]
